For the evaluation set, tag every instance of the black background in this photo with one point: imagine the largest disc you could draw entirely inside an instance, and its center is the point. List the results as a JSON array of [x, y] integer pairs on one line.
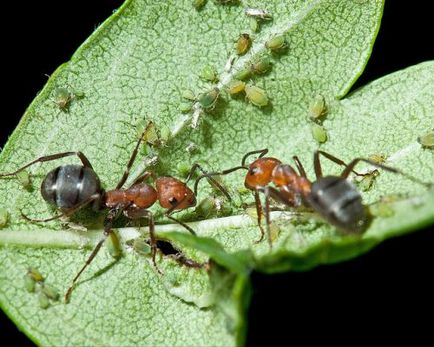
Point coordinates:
[[384, 297]]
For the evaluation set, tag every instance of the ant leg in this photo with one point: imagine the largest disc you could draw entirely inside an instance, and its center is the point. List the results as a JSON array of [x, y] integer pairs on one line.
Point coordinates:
[[351, 165], [333, 159], [195, 167], [261, 152], [317, 164], [259, 215], [183, 260], [130, 162], [221, 173], [107, 231], [299, 166], [80, 155], [275, 194], [136, 213], [69, 212], [181, 223], [142, 177], [172, 210]]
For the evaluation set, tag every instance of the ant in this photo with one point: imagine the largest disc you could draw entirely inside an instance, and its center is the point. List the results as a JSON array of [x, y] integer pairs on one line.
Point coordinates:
[[334, 198], [71, 187]]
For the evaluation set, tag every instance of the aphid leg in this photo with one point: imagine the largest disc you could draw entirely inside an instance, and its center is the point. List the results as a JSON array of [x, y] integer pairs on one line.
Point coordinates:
[[130, 162], [299, 166], [212, 181], [317, 164], [107, 231], [261, 152], [43, 159], [136, 213], [68, 212], [352, 164]]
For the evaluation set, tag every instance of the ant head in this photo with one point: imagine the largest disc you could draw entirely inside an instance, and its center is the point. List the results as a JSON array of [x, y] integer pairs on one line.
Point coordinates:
[[172, 193], [260, 172]]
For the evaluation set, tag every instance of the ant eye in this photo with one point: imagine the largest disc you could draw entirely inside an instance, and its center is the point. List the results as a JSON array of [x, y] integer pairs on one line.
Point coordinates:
[[253, 170], [173, 201]]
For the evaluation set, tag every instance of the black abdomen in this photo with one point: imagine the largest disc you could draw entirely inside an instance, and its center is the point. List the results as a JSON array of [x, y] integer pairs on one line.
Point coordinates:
[[338, 201], [68, 185]]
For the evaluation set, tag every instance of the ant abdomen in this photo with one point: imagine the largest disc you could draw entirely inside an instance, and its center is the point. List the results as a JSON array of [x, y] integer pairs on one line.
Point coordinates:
[[69, 185], [338, 201]]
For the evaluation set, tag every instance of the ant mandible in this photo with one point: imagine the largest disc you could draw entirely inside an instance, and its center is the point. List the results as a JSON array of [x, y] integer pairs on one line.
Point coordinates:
[[334, 198], [71, 187]]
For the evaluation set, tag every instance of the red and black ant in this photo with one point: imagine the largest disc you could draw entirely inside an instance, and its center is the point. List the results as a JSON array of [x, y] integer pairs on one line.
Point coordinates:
[[71, 187], [334, 198]]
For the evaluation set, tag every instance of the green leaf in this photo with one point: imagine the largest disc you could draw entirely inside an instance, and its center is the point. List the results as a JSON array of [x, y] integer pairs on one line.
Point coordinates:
[[133, 69]]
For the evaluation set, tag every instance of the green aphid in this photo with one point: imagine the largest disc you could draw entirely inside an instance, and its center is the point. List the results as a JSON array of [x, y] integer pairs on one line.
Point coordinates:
[[114, 245], [188, 94], [29, 283], [378, 158], [150, 134], [79, 94], [198, 4], [185, 107], [183, 169], [4, 217], [63, 98], [43, 299], [317, 108], [381, 209], [243, 75], [165, 134], [367, 182], [427, 140], [35, 275], [139, 246], [277, 43], [319, 133], [261, 65], [50, 292], [208, 99], [274, 231], [243, 44], [206, 208], [24, 179], [256, 95], [254, 25], [236, 87], [209, 73]]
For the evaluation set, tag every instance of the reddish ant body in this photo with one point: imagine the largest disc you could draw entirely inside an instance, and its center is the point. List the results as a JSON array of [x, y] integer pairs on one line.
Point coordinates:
[[71, 187], [334, 198]]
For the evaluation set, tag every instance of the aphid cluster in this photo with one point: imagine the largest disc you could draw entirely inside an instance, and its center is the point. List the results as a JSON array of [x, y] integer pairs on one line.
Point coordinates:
[[71, 187], [34, 282], [316, 112], [257, 96]]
